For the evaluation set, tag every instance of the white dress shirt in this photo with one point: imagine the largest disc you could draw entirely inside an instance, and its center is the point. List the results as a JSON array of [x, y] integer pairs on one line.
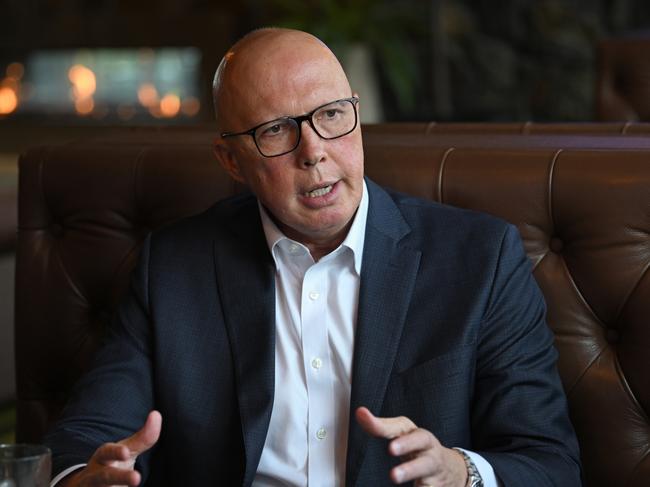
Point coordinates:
[[315, 318]]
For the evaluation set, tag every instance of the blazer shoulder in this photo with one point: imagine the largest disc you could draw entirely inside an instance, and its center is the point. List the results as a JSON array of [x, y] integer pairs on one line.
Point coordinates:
[[425, 215], [211, 222]]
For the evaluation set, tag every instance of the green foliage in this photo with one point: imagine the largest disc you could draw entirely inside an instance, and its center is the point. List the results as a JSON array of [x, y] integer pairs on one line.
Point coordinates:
[[7, 423], [333, 21], [390, 29]]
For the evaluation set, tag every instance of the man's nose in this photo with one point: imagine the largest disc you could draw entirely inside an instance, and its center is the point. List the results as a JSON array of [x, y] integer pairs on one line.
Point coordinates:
[[311, 150]]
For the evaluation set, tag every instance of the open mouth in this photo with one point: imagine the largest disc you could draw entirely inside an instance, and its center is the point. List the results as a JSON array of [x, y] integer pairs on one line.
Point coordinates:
[[315, 193]]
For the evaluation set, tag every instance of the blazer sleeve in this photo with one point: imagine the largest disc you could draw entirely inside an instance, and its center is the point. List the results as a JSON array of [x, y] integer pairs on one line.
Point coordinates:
[[520, 421], [112, 400]]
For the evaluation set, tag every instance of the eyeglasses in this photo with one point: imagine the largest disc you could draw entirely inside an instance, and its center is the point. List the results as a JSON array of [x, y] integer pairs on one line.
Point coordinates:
[[282, 135]]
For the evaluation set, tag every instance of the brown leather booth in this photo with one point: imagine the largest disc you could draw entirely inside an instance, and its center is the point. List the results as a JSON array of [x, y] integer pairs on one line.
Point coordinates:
[[629, 128], [582, 205]]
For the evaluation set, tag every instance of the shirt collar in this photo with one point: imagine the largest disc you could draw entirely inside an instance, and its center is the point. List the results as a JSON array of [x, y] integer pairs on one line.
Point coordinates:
[[354, 240]]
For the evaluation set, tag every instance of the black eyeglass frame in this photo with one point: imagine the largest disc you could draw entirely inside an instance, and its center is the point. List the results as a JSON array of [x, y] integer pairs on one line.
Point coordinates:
[[298, 121]]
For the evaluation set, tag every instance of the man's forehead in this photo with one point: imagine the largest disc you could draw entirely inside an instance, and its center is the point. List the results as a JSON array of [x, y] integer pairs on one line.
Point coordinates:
[[287, 100], [283, 79], [273, 38], [278, 58]]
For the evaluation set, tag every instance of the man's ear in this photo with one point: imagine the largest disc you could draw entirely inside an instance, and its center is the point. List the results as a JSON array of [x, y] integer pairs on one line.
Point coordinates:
[[227, 159]]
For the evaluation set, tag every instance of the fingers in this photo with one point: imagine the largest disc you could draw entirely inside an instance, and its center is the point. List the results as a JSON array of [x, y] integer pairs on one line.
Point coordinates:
[[109, 453], [146, 437], [421, 449], [112, 463], [413, 442], [425, 459], [105, 469], [113, 476], [418, 468], [383, 427], [437, 466]]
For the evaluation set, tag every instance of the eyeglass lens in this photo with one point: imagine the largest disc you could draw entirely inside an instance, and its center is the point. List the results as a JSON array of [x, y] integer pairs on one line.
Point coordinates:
[[282, 135]]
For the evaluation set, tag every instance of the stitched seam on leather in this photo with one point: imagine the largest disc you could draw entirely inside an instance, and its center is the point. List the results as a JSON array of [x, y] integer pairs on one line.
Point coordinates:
[[54, 248], [581, 297], [539, 261], [551, 179], [642, 413], [566, 268], [569, 390], [441, 171], [42, 152], [633, 289], [626, 387], [549, 196], [594, 316], [66, 274]]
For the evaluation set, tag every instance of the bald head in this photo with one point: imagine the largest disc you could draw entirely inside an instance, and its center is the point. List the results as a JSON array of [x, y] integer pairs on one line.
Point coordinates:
[[313, 190], [261, 71]]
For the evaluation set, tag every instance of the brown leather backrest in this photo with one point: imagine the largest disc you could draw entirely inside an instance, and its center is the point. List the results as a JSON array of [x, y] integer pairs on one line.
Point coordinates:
[[583, 213], [512, 128]]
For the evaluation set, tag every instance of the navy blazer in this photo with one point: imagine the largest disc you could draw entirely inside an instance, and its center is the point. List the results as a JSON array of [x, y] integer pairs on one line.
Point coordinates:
[[450, 332]]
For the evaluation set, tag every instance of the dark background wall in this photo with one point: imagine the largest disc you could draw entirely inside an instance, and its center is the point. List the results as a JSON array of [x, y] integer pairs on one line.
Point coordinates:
[[525, 59], [437, 59]]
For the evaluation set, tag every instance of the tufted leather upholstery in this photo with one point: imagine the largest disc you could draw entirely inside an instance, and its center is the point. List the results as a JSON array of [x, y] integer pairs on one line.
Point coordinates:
[[623, 87], [583, 212], [513, 128]]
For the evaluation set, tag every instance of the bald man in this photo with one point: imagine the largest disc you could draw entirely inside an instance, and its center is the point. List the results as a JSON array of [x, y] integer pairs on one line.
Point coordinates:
[[319, 331]]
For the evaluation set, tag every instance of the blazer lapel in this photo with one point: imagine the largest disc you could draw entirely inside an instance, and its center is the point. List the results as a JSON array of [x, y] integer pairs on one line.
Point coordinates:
[[387, 280], [245, 279]]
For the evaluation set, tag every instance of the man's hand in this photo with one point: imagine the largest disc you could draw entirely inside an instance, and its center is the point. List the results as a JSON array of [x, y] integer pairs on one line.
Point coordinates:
[[112, 464], [426, 461]]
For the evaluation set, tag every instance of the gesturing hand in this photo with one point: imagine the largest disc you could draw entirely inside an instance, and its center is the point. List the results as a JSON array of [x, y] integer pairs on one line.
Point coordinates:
[[425, 460], [112, 464]]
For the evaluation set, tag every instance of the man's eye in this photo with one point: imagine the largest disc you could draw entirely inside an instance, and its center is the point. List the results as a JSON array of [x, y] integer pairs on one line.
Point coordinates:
[[275, 129], [331, 113]]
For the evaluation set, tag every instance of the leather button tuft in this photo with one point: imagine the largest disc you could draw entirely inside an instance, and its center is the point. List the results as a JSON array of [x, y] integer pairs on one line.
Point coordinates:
[[556, 245], [612, 335]]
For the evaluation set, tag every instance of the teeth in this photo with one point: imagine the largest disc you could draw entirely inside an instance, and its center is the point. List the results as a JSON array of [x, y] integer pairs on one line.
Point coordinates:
[[318, 192]]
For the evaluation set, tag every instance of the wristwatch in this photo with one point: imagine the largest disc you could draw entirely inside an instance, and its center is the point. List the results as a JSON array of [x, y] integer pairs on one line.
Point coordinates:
[[474, 478]]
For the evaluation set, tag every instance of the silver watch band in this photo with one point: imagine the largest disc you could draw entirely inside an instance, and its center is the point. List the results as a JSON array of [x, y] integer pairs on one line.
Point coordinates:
[[474, 478]]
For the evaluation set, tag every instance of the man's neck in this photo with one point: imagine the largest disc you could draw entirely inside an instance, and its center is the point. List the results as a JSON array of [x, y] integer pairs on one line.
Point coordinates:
[[317, 249]]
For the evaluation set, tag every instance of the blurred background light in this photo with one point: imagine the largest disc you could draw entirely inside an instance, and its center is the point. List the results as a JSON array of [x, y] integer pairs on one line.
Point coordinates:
[[114, 85], [8, 100]]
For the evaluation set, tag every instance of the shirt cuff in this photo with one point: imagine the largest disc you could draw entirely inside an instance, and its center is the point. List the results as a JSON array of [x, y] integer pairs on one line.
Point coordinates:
[[65, 473], [484, 468]]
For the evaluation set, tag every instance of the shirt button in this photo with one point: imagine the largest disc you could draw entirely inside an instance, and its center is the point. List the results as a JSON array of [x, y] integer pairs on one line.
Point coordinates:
[[314, 295], [321, 434], [316, 363]]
